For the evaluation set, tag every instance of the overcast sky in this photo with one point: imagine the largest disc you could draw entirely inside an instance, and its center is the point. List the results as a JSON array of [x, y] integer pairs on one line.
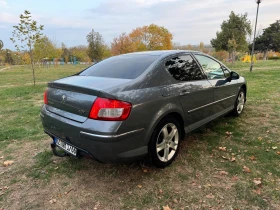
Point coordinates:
[[190, 21]]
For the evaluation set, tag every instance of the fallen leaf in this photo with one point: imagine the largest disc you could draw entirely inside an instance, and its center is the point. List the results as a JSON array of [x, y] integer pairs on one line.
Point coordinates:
[[223, 173], [274, 148], [257, 181], [260, 138], [258, 191], [53, 201], [166, 208], [228, 133], [278, 153], [139, 186], [269, 173], [267, 131], [145, 170], [1, 157], [253, 158], [210, 196], [232, 159], [223, 149], [4, 188], [175, 200], [235, 178], [8, 163], [224, 157], [207, 185], [246, 169], [160, 191]]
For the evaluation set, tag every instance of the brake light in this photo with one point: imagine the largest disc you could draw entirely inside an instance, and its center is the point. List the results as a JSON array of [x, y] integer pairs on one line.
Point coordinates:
[[109, 109], [45, 97]]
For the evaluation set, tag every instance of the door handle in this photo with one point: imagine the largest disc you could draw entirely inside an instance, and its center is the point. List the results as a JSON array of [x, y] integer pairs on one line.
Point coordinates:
[[184, 92]]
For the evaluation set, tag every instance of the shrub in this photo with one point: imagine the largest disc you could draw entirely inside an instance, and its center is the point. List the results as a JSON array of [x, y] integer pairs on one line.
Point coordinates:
[[274, 58]]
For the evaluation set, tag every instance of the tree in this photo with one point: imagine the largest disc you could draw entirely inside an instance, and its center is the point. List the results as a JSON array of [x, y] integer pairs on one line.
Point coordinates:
[[8, 57], [233, 34], [95, 46], [269, 40], [80, 52], [151, 37], [189, 47], [232, 48], [43, 48], [122, 44], [106, 52], [1, 44], [26, 33], [144, 38], [201, 46], [65, 53]]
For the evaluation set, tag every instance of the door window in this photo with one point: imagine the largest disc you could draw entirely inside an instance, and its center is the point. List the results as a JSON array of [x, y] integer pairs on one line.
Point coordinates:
[[211, 67], [184, 68]]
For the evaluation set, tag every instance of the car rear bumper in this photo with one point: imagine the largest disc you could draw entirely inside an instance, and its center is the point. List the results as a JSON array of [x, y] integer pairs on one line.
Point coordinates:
[[102, 140]]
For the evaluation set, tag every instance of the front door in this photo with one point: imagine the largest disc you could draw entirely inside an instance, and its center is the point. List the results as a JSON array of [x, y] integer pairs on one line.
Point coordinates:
[[225, 90]]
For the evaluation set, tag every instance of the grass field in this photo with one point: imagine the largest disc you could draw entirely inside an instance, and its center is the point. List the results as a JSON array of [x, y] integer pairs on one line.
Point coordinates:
[[231, 163]]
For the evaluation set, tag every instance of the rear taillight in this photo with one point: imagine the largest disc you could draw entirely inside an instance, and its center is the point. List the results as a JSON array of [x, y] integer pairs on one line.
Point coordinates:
[[109, 109], [45, 97]]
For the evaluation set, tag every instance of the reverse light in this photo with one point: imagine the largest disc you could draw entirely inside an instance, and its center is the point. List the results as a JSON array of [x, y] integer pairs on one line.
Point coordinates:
[[45, 97], [109, 109]]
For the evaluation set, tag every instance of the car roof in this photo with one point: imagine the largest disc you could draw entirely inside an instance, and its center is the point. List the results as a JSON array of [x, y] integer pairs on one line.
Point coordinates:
[[161, 52]]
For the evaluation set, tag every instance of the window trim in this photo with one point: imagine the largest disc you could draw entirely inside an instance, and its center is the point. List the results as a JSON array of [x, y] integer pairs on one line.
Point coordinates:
[[213, 60], [182, 54]]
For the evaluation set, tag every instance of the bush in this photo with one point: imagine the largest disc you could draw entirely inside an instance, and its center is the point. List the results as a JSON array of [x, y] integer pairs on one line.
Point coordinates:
[[220, 55], [273, 58]]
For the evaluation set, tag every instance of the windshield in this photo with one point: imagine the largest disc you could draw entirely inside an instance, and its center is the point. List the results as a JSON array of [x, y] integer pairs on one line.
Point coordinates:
[[124, 67]]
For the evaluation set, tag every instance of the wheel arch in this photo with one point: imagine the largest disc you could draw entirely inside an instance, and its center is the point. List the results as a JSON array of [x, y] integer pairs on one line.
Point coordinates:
[[173, 112], [245, 89]]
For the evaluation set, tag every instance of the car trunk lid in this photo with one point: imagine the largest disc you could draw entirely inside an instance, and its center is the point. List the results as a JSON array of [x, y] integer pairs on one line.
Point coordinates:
[[72, 97]]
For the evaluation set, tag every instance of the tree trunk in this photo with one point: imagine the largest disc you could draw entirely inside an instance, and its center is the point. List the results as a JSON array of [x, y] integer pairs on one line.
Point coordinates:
[[265, 54], [32, 65], [33, 72]]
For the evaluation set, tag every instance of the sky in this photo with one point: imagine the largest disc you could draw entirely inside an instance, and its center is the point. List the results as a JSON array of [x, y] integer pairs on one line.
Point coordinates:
[[190, 21]]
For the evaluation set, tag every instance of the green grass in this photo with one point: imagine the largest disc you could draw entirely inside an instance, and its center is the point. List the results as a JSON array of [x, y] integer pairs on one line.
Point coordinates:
[[193, 181]]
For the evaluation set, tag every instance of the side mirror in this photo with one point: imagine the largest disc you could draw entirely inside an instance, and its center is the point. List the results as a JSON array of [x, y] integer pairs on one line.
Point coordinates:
[[233, 75]]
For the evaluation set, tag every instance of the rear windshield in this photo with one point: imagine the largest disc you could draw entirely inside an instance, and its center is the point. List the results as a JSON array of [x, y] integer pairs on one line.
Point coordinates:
[[124, 67]]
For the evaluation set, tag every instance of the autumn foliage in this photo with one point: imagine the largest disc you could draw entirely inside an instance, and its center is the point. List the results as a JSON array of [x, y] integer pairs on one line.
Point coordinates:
[[144, 38]]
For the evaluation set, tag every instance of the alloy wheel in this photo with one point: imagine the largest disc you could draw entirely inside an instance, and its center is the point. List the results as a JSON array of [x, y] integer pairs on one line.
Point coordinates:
[[167, 142], [240, 102]]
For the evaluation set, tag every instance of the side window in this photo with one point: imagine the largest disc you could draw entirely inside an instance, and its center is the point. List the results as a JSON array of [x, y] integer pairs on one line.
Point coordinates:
[[226, 71], [212, 68], [184, 68]]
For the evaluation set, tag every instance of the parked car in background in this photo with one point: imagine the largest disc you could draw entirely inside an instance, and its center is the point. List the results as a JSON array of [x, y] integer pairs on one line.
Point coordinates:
[[138, 105]]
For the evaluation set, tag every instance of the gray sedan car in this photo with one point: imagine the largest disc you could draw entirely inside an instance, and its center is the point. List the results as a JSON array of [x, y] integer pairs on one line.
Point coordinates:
[[138, 105]]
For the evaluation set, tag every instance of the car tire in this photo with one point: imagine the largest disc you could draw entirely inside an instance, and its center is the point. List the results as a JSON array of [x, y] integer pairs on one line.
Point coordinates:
[[239, 103], [165, 142]]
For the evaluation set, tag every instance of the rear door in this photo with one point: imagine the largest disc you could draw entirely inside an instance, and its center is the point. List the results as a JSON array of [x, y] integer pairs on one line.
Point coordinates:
[[224, 90], [194, 90]]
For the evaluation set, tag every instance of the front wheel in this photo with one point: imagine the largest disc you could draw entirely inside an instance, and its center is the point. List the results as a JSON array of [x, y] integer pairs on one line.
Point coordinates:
[[239, 103], [164, 143]]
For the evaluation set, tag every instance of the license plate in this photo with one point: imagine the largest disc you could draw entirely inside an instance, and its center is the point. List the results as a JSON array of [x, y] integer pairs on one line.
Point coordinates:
[[66, 147]]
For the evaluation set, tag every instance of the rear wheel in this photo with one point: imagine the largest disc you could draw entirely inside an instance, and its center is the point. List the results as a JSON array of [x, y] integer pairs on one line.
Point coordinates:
[[164, 143], [239, 103]]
